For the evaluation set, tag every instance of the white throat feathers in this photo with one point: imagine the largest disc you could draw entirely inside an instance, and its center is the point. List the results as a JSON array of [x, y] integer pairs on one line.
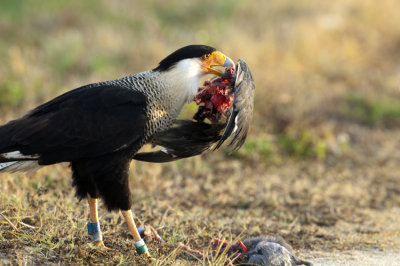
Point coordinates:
[[185, 77]]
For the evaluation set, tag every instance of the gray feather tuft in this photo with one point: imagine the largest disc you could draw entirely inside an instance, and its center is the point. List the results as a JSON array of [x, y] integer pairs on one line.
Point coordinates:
[[242, 110]]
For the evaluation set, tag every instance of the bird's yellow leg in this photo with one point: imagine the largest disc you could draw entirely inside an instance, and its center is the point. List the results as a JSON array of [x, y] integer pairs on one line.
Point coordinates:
[[94, 225], [141, 247]]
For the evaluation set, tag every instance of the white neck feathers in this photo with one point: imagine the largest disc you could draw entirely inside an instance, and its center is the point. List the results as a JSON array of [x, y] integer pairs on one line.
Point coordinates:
[[185, 77]]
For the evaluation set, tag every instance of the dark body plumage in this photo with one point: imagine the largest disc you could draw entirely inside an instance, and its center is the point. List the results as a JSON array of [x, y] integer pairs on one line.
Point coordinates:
[[97, 128], [90, 121]]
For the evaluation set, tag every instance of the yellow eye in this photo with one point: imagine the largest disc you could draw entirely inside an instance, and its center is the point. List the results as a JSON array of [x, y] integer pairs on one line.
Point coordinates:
[[206, 56]]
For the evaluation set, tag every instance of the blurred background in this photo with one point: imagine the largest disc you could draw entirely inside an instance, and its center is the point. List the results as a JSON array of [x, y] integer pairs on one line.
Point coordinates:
[[324, 145]]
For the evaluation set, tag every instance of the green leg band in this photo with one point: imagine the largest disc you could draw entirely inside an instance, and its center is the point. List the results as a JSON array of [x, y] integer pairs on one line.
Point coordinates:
[[142, 249]]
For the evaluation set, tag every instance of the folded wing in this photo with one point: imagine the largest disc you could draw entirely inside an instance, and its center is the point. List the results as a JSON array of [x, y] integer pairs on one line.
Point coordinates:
[[87, 122]]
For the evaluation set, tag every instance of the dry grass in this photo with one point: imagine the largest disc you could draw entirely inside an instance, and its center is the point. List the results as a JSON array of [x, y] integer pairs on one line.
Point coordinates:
[[320, 167]]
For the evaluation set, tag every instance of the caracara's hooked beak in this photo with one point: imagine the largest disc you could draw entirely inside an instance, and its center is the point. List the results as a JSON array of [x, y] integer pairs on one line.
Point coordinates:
[[215, 59]]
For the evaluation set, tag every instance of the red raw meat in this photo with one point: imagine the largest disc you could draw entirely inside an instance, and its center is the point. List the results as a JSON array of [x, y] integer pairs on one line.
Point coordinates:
[[216, 97]]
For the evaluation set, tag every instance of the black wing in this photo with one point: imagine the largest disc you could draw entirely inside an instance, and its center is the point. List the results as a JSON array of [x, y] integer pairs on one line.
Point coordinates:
[[242, 110], [86, 122], [185, 139]]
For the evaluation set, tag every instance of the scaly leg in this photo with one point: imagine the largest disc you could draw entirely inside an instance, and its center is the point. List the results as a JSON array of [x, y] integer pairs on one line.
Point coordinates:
[[94, 226], [141, 247]]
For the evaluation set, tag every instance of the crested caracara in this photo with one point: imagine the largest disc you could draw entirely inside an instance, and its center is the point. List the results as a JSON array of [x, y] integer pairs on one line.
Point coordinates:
[[99, 128]]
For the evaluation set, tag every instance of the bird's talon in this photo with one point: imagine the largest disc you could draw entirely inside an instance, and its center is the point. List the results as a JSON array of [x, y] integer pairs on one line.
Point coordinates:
[[147, 254], [100, 244]]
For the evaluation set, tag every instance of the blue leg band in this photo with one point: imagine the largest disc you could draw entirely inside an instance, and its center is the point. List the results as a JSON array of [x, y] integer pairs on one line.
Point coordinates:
[[94, 232], [141, 231]]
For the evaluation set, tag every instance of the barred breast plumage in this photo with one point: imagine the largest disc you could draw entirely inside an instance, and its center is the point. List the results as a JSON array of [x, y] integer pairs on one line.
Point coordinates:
[[164, 100]]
